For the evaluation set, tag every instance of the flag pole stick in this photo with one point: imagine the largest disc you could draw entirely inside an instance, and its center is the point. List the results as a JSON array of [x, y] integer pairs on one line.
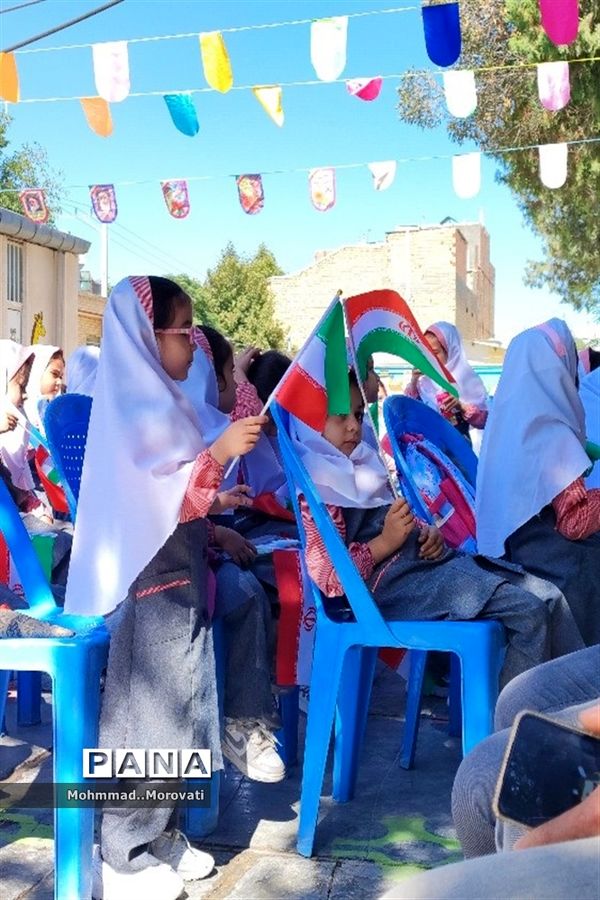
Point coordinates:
[[26, 424]]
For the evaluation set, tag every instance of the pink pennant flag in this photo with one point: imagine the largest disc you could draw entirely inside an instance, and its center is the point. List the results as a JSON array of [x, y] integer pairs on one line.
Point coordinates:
[[322, 188], [383, 174], [466, 174], [560, 20], [176, 198], [365, 88], [111, 70], [328, 47], [553, 165], [554, 88], [33, 201], [460, 92], [250, 193], [104, 202]]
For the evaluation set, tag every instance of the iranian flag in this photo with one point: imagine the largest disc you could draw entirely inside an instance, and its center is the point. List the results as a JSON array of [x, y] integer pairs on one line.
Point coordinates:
[[381, 321], [316, 384]]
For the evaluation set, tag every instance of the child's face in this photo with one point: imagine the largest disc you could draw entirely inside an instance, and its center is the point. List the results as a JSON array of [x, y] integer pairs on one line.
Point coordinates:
[[176, 350], [371, 383], [345, 432], [227, 386], [52, 379], [439, 350], [17, 386]]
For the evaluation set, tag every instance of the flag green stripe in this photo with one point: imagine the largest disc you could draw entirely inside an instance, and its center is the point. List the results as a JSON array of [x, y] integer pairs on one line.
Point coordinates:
[[382, 340], [337, 385]]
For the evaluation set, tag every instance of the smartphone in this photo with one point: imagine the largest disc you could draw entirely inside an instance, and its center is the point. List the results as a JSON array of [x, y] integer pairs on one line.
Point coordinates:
[[548, 768]]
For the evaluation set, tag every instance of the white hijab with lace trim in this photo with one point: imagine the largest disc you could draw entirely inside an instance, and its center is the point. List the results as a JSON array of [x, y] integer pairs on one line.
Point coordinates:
[[13, 444], [533, 443], [142, 444]]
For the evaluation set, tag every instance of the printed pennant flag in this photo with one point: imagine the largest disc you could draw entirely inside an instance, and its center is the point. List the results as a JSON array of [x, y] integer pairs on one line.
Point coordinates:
[[33, 201], [441, 26], [176, 198], [98, 115], [460, 92], [466, 174], [365, 88], [554, 89], [322, 188], [553, 164], [317, 385], [560, 20], [250, 193], [104, 202], [328, 47], [9, 78], [269, 97], [183, 113], [111, 70], [382, 321], [215, 61], [383, 174]]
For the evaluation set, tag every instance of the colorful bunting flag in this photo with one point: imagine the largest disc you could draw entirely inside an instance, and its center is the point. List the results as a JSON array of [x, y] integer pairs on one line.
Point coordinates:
[[553, 164], [176, 197], [441, 26], [98, 116], [317, 385], [365, 88], [383, 174], [322, 188], [382, 321], [554, 88], [215, 61], [250, 193], [269, 97], [183, 113], [460, 92], [104, 202], [9, 78], [560, 20], [466, 174], [328, 47], [33, 201], [111, 70]]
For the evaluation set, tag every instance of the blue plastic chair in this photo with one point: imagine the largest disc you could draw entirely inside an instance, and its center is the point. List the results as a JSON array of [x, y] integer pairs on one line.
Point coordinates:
[[75, 665], [66, 422], [345, 650]]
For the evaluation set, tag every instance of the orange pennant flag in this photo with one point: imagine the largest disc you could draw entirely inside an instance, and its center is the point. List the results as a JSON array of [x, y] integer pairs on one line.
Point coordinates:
[[97, 113], [9, 78]]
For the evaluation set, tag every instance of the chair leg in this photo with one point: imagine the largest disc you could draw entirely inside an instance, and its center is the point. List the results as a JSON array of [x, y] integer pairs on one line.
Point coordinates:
[[288, 733], [480, 684], [454, 700], [29, 698], [328, 658], [414, 700], [4, 679], [351, 719]]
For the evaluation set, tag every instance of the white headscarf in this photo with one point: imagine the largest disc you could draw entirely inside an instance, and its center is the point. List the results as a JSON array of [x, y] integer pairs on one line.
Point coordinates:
[[142, 443], [81, 369], [589, 391], [13, 444], [359, 480], [471, 388], [36, 403], [533, 443]]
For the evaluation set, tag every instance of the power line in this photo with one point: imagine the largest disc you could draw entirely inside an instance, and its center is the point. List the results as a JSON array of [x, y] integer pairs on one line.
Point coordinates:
[[21, 6], [38, 37]]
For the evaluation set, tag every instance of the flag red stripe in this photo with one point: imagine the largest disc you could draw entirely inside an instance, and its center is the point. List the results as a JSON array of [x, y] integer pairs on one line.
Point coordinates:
[[305, 398]]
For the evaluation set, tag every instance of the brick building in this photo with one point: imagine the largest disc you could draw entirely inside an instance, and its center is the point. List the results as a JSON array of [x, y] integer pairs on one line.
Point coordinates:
[[444, 271]]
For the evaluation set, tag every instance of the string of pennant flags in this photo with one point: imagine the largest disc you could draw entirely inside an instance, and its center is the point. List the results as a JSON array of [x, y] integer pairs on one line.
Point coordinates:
[[322, 182]]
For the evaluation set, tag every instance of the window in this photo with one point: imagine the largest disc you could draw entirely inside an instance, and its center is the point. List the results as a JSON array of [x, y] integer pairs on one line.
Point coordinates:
[[14, 290]]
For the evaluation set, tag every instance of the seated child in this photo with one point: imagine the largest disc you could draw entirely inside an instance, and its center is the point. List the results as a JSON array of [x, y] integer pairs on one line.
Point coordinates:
[[45, 382], [406, 565]]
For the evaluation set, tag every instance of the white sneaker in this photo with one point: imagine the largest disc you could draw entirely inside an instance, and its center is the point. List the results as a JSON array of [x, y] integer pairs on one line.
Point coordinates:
[[152, 883], [251, 747], [174, 849]]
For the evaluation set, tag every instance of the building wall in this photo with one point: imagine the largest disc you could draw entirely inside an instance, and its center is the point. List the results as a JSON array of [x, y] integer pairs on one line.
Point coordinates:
[[89, 318]]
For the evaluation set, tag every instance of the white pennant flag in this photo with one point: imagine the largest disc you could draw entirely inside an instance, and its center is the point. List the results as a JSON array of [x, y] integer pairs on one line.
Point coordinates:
[[328, 47], [554, 88], [383, 174], [553, 164], [460, 92], [111, 70], [466, 174]]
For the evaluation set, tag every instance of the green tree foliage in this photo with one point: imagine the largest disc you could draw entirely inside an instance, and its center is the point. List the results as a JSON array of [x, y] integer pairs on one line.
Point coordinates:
[[197, 292], [26, 167], [500, 33]]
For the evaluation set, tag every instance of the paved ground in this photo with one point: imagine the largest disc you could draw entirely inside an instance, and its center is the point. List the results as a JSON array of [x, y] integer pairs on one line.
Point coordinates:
[[398, 822]]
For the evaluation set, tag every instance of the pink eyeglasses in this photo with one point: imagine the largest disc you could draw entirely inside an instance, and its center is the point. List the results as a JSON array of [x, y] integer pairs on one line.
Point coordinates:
[[189, 331]]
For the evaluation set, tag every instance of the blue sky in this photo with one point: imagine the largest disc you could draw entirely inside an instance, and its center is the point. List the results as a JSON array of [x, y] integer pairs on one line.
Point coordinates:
[[324, 126]]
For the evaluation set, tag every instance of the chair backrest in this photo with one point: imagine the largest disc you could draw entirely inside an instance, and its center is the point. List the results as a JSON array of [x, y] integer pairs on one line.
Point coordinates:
[[66, 422], [36, 587], [357, 594]]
